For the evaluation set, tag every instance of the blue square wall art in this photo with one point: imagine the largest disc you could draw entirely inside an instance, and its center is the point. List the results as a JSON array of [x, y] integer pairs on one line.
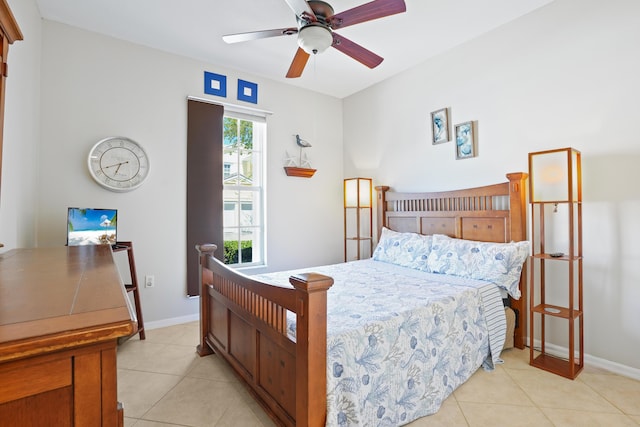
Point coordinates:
[[247, 91], [215, 84]]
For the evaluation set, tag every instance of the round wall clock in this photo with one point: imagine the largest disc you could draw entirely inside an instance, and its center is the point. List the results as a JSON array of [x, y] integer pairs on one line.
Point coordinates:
[[118, 163]]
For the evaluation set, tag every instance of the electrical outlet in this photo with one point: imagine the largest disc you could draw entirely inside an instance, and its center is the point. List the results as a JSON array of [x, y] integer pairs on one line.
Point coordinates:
[[149, 282]]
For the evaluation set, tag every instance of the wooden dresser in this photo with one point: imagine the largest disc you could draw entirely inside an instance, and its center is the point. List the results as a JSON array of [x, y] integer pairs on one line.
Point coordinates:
[[61, 313]]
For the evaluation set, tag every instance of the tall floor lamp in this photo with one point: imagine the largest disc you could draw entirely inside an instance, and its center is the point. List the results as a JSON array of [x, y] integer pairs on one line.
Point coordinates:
[[555, 286], [358, 218]]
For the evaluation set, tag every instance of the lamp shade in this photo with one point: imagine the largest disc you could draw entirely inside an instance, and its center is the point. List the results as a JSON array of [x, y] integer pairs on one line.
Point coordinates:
[[554, 176], [357, 193], [314, 38]]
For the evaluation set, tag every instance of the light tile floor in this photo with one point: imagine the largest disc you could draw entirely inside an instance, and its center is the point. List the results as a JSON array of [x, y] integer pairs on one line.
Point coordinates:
[[163, 382]]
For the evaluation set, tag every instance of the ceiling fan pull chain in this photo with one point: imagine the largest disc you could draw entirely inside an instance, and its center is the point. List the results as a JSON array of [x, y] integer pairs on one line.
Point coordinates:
[[315, 103]]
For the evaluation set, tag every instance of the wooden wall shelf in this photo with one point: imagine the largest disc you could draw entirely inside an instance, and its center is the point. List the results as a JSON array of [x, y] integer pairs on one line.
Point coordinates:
[[299, 172]]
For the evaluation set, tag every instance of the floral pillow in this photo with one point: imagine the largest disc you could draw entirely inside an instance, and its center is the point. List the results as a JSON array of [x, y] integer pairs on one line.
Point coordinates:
[[403, 249], [500, 263]]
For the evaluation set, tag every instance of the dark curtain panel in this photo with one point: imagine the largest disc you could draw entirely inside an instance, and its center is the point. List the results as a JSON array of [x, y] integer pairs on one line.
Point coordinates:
[[204, 184]]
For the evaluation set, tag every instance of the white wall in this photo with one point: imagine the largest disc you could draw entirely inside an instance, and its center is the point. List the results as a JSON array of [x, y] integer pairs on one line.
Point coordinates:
[[18, 202], [95, 86], [564, 75]]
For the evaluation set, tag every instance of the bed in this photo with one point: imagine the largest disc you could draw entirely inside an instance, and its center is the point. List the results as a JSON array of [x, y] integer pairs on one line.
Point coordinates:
[[299, 377]]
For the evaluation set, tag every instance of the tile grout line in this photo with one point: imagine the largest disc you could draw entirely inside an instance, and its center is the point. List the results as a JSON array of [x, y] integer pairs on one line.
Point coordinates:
[[622, 411], [533, 402]]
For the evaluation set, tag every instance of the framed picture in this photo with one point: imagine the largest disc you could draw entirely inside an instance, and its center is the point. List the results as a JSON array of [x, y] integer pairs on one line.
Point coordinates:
[[215, 84], [440, 125], [247, 91], [465, 140]]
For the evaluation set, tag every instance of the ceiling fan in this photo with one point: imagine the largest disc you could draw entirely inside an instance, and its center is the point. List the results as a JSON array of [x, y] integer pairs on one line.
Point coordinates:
[[316, 25]]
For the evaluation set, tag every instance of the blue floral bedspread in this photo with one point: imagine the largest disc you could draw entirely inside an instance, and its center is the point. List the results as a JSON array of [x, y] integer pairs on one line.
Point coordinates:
[[397, 346]]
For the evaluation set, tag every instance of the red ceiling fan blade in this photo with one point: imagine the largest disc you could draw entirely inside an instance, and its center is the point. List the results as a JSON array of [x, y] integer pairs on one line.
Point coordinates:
[[298, 64], [255, 35], [357, 52], [302, 9], [367, 12]]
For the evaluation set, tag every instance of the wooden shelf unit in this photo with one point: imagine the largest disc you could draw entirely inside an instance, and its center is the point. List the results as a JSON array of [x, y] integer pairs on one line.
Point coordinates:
[[133, 286], [556, 220]]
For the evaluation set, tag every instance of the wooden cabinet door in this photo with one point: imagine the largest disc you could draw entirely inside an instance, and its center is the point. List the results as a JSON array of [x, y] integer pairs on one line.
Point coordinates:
[[9, 32]]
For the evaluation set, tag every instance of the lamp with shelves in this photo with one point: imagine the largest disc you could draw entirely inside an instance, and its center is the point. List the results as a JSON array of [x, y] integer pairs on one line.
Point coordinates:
[[358, 218], [555, 288]]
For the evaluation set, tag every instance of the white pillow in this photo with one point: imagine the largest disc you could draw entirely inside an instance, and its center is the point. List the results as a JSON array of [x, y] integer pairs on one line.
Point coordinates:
[[404, 249], [500, 263]]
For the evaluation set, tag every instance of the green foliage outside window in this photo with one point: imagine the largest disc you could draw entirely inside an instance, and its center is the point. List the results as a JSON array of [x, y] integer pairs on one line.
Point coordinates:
[[242, 139], [231, 251]]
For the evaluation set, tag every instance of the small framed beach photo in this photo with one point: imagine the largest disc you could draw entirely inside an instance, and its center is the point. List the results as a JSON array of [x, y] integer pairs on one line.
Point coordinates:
[[440, 125], [465, 140]]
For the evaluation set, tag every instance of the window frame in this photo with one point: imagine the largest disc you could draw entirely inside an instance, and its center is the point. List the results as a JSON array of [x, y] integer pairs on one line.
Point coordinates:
[[259, 133]]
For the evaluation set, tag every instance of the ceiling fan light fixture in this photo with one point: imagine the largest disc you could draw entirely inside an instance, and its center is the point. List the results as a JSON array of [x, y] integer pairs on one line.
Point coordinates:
[[314, 38]]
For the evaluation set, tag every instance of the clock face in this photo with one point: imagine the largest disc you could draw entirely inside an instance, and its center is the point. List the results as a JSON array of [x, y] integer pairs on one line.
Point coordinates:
[[118, 164]]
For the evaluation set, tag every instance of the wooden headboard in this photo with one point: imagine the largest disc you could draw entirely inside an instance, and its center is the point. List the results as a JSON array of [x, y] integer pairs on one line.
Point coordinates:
[[492, 213]]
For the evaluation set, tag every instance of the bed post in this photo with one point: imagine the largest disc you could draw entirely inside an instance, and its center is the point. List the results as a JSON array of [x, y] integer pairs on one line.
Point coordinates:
[[381, 203], [518, 224], [205, 276], [311, 348]]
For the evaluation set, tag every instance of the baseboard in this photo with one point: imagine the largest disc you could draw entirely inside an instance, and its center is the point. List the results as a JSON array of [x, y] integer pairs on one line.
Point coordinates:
[[171, 322], [614, 367], [593, 361]]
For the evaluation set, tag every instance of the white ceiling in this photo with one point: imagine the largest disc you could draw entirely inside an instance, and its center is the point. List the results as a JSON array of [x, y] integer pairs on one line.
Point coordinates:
[[194, 28]]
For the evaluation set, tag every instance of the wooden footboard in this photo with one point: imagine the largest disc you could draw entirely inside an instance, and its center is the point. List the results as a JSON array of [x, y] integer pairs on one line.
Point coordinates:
[[244, 321]]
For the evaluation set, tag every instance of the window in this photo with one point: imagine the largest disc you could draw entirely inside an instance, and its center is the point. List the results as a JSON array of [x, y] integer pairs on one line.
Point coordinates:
[[243, 189]]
